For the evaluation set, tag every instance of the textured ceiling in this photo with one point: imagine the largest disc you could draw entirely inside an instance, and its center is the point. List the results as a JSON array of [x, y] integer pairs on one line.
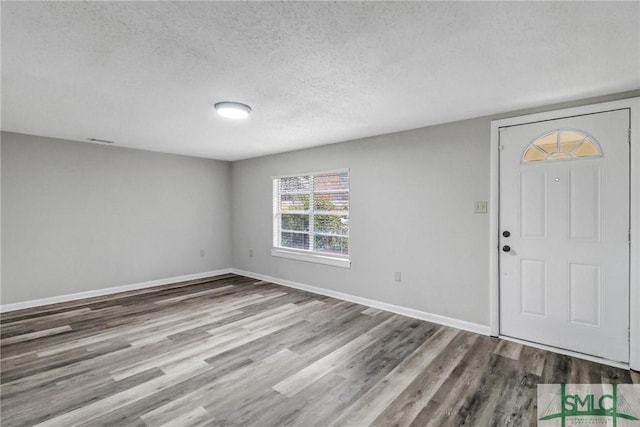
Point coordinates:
[[145, 74]]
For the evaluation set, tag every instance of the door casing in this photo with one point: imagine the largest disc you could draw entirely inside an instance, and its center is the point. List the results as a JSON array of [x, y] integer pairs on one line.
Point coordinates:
[[633, 104]]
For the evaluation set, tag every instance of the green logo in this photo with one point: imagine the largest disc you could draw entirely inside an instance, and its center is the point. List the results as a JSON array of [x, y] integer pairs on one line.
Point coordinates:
[[588, 404]]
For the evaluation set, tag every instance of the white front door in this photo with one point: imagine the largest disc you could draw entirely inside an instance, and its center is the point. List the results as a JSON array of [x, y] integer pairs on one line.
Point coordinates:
[[564, 233]]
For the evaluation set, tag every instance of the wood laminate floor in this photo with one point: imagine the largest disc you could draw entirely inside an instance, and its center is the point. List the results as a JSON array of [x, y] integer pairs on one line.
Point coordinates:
[[235, 351]]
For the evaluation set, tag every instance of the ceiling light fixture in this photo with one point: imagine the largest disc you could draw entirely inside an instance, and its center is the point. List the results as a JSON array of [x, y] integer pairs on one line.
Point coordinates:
[[232, 110]]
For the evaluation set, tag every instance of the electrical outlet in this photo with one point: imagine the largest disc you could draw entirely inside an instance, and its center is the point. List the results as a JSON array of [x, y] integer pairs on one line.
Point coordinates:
[[201, 253], [250, 252], [480, 206], [398, 276]]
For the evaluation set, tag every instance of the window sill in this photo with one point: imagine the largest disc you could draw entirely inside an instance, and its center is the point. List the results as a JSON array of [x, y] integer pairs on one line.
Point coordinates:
[[311, 257]]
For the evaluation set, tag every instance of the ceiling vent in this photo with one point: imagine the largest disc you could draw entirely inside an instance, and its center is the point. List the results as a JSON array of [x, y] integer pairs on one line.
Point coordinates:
[[103, 141]]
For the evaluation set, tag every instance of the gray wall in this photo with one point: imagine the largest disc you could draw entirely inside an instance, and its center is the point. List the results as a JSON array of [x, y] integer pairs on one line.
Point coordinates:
[[412, 199], [78, 217]]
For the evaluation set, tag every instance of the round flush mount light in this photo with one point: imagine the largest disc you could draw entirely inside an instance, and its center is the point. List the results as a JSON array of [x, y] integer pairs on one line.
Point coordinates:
[[232, 110]]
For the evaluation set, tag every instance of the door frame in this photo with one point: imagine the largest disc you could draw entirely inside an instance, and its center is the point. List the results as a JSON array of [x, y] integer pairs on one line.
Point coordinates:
[[633, 104]]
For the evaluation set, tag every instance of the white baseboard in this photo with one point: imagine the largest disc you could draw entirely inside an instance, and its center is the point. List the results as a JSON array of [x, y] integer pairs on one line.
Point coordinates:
[[409, 312], [106, 291]]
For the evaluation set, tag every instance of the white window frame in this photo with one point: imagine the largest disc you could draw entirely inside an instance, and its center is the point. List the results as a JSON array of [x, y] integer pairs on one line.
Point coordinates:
[[301, 254]]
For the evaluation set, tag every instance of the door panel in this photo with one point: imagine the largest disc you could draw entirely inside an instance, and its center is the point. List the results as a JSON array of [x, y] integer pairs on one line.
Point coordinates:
[[584, 203], [565, 280], [585, 286], [533, 285], [533, 204]]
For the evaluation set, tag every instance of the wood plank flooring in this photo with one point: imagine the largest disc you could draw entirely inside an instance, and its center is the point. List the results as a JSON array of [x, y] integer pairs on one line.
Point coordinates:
[[233, 351]]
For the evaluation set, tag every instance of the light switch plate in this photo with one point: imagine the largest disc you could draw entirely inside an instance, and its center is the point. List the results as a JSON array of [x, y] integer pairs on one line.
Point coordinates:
[[480, 206]]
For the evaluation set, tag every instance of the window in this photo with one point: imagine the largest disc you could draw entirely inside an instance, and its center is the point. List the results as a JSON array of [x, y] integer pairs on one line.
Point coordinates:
[[562, 144], [311, 217]]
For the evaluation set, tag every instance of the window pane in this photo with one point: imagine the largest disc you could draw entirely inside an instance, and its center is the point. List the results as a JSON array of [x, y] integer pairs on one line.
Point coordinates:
[[587, 149], [335, 181], [331, 201], [332, 244], [295, 222], [311, 213], [295, 184], [548, 143], [295, 240], [562, 145], [294, 202], [533, 155], [569, 140], [332, 224]]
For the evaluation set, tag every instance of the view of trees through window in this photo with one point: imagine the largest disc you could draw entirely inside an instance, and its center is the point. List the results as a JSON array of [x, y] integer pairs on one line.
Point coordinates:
[[312, 213]]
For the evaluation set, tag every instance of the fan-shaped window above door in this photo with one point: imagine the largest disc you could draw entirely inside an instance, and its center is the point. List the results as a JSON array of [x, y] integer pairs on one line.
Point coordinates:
[[562, 145]]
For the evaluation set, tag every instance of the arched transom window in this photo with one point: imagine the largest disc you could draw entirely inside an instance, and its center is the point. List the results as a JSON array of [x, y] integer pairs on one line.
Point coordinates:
[[562, 145]]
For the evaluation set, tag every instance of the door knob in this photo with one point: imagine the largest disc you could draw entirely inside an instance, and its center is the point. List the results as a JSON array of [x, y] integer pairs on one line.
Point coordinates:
[[506, 248], [506, 233]]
